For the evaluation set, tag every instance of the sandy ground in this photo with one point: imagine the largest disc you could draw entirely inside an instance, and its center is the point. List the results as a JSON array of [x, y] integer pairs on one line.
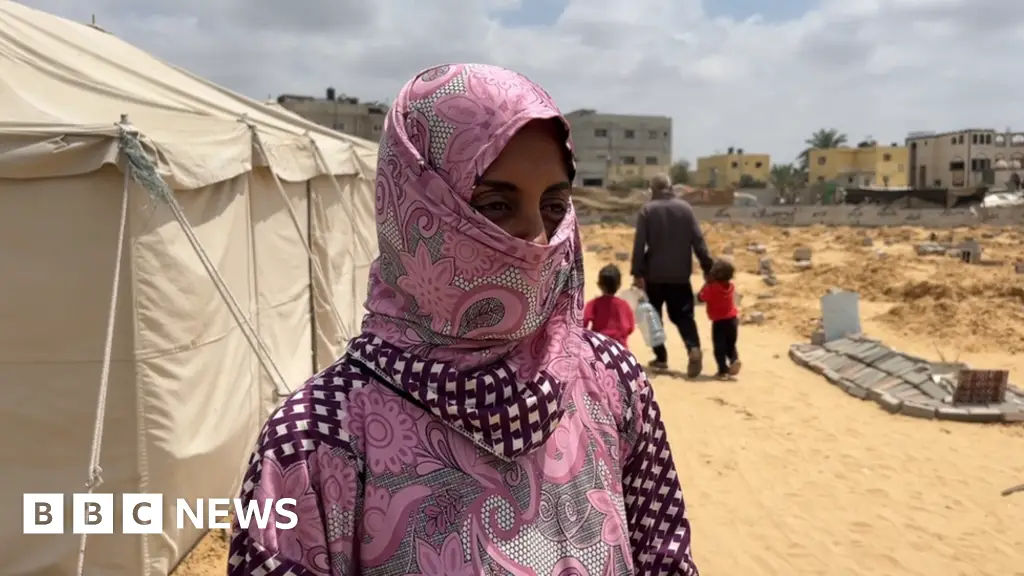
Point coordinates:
[[785, 474]]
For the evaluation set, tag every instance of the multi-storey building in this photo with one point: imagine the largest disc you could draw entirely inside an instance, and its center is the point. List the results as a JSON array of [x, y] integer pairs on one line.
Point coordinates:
[[964, 159], [618, 147], [339, 112], [869, 166], [732, 169]]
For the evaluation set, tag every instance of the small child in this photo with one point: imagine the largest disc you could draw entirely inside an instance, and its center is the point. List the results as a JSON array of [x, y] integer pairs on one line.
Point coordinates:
[[718, 296], [608, 314]]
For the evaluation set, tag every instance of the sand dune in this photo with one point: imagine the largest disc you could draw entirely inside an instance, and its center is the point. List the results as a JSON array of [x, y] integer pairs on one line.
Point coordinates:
[[787, 475]]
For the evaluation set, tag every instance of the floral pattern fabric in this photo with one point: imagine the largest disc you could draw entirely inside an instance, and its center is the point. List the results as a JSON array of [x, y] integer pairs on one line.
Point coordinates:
[[385, 488], [474, 427]]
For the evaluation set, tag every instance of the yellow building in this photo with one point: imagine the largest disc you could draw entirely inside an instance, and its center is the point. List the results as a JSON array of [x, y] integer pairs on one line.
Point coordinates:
[[872, 166], [722, 170]]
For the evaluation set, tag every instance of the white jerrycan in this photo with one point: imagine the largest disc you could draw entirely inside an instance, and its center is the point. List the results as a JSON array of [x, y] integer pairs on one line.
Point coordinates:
[[649, 323]]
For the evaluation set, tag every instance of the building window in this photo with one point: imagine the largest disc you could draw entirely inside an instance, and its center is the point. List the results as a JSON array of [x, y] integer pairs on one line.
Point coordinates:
[[735, 164], [339, 126], [630, 134], [988, 138], [593, 182], [652, 160], [628, 160], [821, 160], [886, 157], [1000, 140], [666, 133], [849, 179], [600, 133], [974, 138], [952, 140], [652, 135], [937, 183], [758, 164], [376, 128], [1017, 140], [960, 139], [956, 166], [821, 178]]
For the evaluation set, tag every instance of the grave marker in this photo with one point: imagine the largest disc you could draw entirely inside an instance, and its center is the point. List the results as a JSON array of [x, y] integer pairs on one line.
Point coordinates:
[[981, 387], [840, 314]]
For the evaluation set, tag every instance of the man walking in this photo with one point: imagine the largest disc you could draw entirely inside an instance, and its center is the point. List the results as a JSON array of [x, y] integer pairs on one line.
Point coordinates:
[[667, 233]]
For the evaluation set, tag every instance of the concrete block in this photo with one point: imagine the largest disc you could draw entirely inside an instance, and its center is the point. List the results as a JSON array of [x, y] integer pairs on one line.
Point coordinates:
[[818, 337], [1013, 417], [832, 376], [984, 414], [622, 256], [917, 376], [915, 410], [890, 403], [854, 390], [879, 354], [802, 254], [869, 377], [1019, 267], [932, 390], [841, 345], [953, 413], [896, 364], [887, 384]]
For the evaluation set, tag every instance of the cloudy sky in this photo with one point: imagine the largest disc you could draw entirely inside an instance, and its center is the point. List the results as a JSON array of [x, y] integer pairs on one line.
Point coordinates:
[[755, 74]]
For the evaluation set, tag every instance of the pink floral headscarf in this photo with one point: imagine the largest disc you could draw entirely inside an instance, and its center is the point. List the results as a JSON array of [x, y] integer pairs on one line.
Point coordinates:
[[477, 325]]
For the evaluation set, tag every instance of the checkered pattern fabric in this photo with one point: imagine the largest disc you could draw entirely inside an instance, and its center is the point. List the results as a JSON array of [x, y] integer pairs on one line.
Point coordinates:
[[487, 405], [659, 528]]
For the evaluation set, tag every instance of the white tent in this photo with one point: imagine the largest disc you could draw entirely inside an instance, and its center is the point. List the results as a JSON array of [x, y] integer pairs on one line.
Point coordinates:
[[231, 289]]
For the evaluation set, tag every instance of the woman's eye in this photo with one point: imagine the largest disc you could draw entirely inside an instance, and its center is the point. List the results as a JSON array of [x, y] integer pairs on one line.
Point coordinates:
[[494, 208], [556, 208]]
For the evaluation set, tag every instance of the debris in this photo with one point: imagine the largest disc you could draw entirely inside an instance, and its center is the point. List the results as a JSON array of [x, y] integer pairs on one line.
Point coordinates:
[[757, 248], [867, 241], [764, 266], [802, 254], [622, 256], [1013, 490], [929, 249], [803, 265], [755, 318]]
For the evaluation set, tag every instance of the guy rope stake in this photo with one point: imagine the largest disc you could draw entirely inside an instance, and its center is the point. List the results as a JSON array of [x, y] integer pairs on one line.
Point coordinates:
[[95, 477]]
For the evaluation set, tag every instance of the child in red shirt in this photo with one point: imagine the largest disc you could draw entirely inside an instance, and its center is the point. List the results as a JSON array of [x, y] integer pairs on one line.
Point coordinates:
[[718, 297], [608, 314]]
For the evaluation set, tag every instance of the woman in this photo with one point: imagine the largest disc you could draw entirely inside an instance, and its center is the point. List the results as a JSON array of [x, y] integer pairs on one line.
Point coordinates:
[[473, 427]]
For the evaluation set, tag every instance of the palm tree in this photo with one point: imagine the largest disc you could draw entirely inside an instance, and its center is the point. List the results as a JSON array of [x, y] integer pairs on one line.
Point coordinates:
[[785, 178], [823, 138]]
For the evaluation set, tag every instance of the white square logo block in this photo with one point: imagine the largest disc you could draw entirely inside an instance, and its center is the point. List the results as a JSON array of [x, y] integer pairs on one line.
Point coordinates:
[[43, 514], [92, 513], [142, 513]]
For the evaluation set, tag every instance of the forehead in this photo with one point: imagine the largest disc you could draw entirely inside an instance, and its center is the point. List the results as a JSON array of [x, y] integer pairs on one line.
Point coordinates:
[[537, 152]]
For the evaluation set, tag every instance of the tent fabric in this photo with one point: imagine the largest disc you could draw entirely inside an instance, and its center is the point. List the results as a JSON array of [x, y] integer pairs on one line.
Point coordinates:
[[187, 394]]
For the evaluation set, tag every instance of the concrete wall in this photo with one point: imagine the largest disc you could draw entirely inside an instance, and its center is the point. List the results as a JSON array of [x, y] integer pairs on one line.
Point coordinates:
[[865, 216]]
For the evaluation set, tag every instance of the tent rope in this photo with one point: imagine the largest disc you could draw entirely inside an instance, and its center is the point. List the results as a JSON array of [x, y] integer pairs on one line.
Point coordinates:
[[95, 478], [314, 263], [144, 173]]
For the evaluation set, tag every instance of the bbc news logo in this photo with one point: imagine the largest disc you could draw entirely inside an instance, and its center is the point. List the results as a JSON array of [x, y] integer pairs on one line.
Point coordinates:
[[144, 513]]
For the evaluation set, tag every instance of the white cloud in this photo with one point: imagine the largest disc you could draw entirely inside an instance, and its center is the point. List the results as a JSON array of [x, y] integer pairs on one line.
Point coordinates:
[[878, 67]]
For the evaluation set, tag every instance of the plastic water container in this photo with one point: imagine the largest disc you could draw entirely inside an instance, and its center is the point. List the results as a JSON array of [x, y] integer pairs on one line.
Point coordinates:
[[633, 296], [649, 323]]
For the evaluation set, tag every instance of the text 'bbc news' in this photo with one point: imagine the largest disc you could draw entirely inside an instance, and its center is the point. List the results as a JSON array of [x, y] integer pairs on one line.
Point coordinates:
[[144, 513]]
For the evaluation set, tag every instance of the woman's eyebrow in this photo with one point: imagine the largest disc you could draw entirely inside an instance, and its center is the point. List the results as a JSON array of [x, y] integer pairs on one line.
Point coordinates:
[[559, 187], [499, 185]]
